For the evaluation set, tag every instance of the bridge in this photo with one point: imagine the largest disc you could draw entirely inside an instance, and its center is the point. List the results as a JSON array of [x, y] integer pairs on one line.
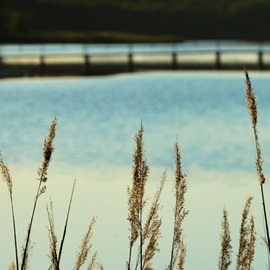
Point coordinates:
[[85, 63]]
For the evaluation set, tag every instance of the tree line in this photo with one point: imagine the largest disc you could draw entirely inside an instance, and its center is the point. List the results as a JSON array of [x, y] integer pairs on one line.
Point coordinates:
[[172, 19]]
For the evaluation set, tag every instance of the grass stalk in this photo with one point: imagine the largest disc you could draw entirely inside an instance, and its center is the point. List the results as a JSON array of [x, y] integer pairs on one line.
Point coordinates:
[[8, 180], [85, 246], [145, 233], [53, 239], [136, 200], [66, 223], [247, 239], [92, 263], [180, 187], [151, 229], [252, 106], [226, 248], [55, 259], [42, 172]]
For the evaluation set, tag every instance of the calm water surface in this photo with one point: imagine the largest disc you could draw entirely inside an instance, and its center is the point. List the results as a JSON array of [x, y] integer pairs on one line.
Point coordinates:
[[97, 120]]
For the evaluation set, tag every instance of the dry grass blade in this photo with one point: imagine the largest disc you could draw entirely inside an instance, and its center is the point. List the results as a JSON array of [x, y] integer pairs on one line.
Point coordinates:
[[180, 186], [66, 223], [8, 180], [226, 248], [85, 246], [53, 238], [247, 239], [42, 172]]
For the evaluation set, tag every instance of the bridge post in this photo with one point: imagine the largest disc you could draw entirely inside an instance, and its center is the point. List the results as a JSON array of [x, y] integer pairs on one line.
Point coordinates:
[[1, 64], [260, 64], [218, 62], [174, 61], [41, 65], [130, 62], [86, 65]]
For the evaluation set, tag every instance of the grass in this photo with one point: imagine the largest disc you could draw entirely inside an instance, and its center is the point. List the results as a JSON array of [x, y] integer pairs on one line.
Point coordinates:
[[144, 222]]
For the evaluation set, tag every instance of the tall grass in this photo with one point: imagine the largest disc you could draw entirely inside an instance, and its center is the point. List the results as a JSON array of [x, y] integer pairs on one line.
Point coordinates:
[[252, 106], [146, 233], [42, 177], [247, 239], [8, 180], [226, 247], [144, 221], [178, 248]]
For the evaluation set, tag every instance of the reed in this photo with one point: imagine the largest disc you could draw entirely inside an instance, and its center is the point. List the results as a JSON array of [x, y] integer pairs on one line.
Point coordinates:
[[55, 258], [85, 248], [136, 200], [226, 247], [66, 224], [8, 180], [178, 248], [42, 177], [85, 244], [42, 172], [12, 266], [53, 238], [151, 230], [247, 239], [145, 233], [252, 106]]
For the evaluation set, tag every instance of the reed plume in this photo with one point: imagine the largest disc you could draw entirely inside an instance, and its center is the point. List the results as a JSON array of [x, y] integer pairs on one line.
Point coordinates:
[[247, 239], [145, 233], [12, 266], [93, 264], [182, 256], [85, 246], [93, 261], [8, 180], [42, 173], [226, 248], [136, 200], [252, 106], [178, 249], [53, 238], [151, 229]]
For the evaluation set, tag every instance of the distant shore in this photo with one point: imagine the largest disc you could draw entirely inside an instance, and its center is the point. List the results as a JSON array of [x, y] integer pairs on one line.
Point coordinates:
[[111, 21], [85, 37]]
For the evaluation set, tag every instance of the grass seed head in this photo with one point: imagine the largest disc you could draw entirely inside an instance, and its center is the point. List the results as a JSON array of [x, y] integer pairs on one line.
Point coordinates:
[[5, 174]]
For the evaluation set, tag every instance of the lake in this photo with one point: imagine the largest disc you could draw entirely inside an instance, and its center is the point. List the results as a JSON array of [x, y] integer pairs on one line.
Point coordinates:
[[98, 118]]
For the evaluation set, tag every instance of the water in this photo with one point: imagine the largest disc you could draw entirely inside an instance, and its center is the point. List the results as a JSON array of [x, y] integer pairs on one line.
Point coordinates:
[[97, 120]]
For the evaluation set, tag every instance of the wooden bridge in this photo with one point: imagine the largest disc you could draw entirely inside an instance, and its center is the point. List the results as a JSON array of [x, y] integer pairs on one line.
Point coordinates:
[[15, 65]]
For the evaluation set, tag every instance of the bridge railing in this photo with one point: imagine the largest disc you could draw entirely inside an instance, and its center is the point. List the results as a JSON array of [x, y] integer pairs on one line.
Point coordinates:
[[132, 60]]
